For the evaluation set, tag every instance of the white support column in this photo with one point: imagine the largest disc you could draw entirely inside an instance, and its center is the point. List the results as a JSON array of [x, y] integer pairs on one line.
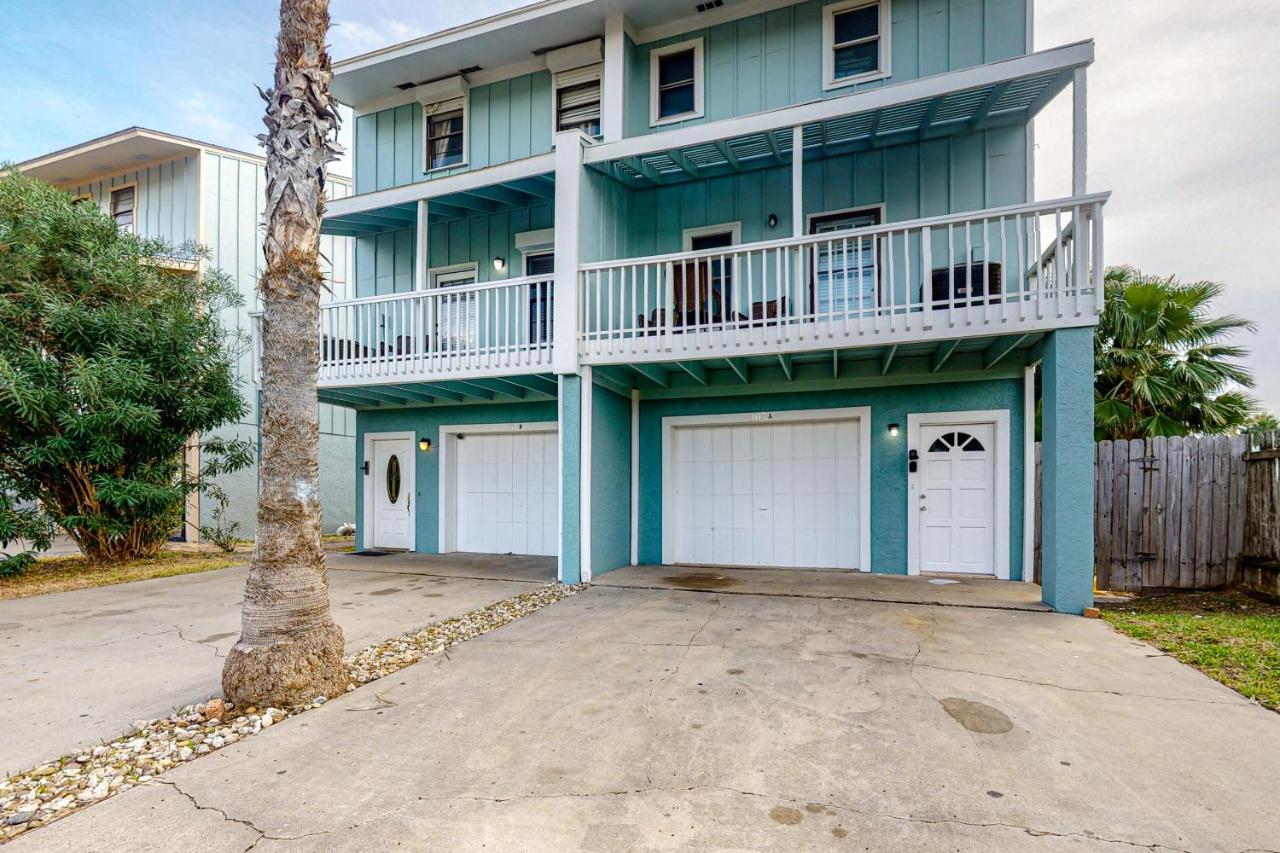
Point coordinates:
[[564, 348], [797, 181], [1079, 133], [1029, 473], [613, 86], [420, 265]]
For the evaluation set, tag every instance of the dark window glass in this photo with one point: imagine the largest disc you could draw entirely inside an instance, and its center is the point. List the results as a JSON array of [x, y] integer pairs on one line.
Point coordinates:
[[393, 479], [541, 296], [122, 208], [444, 139], [676, 84], [939, 446], [857, 42]]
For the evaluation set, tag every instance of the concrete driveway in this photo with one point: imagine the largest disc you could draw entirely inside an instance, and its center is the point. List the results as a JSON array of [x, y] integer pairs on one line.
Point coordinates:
[[79, 667], [660, 719]]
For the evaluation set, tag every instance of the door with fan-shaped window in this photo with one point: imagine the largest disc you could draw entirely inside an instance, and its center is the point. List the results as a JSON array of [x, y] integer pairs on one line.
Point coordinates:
[[957, 499]]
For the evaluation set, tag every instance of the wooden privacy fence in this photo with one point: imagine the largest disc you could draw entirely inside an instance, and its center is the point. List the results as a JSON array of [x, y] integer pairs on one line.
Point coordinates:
[[1262, 497], [1169, 513]]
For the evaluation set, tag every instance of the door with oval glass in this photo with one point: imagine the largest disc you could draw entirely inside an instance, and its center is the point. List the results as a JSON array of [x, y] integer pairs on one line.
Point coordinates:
[[957, 498], [392, 464]]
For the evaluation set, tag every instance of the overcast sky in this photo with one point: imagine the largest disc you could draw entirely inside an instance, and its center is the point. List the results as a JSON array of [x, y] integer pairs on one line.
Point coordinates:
[[1184, 111]]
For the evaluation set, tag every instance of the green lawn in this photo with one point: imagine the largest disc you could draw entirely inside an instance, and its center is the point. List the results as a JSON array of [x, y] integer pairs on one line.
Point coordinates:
[[1226, 635]]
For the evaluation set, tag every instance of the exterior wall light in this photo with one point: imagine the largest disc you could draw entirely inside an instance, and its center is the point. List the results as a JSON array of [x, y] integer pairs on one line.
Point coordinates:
[[424, 444], [773, 220], [499, 264], [893, 430]]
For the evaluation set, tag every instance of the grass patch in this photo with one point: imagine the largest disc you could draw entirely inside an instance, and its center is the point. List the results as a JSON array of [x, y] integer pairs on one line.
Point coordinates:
[[61, 574], [1228, 636]]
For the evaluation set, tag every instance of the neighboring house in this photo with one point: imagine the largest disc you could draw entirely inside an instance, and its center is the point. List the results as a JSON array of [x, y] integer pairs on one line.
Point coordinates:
[[755, 283], [191, 194]]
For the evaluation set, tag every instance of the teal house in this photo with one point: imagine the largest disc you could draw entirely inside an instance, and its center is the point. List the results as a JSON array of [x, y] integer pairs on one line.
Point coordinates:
[[191, 193], [734, 283]]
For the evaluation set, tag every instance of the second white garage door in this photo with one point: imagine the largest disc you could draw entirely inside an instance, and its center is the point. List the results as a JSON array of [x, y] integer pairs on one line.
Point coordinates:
[[505, 492], [786, 491]]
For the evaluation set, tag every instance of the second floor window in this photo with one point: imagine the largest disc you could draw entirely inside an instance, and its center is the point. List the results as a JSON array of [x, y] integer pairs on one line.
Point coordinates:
[[122, 207], [446, 135], [676, 75], [578, 106], [856, 42]]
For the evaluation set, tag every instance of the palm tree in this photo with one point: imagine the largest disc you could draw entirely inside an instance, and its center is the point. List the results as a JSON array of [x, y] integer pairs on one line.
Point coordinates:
[[1163, 367], [290, 649]]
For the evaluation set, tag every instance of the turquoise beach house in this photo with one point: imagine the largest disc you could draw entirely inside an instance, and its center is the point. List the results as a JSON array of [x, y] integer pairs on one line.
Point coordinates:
[[192, 193], [732, 283]]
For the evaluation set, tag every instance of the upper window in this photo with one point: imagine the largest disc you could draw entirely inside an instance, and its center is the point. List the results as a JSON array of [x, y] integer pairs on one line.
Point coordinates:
[[675, 77], [578, 100], [123, 203], [855, 37], [446, 134]]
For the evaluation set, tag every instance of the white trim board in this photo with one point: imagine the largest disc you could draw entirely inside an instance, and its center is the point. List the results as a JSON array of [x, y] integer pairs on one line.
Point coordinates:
[[447, 527], [733, 229], [998, 418], [367, 507], [699, 81], [862, 414], [883, 32]]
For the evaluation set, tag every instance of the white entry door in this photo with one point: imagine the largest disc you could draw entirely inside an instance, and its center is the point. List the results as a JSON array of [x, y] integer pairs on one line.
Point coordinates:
[[392, 464], [507, 492], [956, 501], [775, 493]]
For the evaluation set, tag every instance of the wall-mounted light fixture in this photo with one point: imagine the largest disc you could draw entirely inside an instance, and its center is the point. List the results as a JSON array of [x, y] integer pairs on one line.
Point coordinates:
[[773, 220], [499, 264], [424, 444], [893, 430]]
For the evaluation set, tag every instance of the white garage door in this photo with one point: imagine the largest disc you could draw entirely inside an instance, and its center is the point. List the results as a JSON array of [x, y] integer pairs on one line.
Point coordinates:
[[780, 493], [507, 493]]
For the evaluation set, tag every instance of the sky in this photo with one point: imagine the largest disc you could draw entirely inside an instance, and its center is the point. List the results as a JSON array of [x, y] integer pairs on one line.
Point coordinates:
[[1184, 111]]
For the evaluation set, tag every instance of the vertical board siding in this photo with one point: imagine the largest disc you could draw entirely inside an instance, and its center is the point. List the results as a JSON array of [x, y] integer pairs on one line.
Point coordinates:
[[1177, 512], [1260, 532], [166, 198], [774, 59], [507, 120]]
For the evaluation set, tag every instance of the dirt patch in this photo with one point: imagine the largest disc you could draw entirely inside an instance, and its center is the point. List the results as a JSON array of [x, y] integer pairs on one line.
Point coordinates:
[[388, 591], [839, 832], [977, 717], [700, 580], [786, 815]]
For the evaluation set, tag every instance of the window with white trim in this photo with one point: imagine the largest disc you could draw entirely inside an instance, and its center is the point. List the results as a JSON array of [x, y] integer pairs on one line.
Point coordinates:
[[122, 208], [578, 99], [855, 42], [445, 132], [675, 82]]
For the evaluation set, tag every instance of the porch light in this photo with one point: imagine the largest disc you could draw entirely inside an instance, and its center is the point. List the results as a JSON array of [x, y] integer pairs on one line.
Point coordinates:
[[424, 444], [499, 264], [893, 430], [773, 220]]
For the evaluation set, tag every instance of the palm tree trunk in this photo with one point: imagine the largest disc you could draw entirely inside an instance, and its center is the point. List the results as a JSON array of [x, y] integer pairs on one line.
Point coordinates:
[[290, 649]]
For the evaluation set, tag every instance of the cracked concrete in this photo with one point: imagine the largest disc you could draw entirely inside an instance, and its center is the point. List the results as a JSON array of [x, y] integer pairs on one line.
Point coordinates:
[[80, 667], [765, 728]]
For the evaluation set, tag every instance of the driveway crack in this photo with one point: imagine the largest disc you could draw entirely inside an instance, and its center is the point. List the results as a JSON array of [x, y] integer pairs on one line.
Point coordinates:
[[216, 653]]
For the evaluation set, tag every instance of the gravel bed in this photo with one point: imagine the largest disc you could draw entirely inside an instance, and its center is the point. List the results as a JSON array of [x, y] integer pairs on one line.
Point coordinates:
[[54, 790]]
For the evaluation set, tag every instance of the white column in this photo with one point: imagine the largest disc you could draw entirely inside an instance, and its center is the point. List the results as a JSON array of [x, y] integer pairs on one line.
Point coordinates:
[[564, 348], [797, 181], [1079, 133], [420, 266], [613, 86]]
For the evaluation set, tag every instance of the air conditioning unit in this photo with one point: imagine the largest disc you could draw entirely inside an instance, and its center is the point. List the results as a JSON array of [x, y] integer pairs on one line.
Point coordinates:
[[977, 283]]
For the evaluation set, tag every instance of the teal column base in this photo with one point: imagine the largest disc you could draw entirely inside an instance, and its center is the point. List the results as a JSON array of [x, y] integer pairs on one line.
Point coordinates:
[[570, 479], [1067, 479]]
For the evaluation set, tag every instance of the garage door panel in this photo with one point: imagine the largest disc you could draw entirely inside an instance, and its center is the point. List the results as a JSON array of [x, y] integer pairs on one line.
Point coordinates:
[[768, 494], [506, 493]]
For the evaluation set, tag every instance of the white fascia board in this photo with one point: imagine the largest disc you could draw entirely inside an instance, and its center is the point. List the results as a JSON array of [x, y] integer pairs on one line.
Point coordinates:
[[478, 78], [710, 18], [538, 165], [442, 90], [1063, 58]]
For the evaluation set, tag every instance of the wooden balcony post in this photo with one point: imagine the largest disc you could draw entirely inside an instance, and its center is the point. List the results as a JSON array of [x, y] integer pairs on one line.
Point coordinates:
[[1079, 132], [568, 158]]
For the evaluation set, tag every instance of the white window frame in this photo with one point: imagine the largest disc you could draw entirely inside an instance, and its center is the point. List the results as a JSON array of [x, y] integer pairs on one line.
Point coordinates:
[[1000, 420], [462, 102], [111, 194], [829, 13], [575, 77], [699, 78], [454, 272], [733, 229]]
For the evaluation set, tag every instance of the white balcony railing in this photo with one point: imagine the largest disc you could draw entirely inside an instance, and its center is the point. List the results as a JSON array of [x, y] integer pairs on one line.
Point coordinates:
[[501, 327], [1018, 268]]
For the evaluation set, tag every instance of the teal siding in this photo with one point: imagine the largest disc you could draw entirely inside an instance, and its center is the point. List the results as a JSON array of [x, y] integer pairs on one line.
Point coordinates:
[[571, 556], [889, 508], [774, 59], [166, 198], [385, 262], [426, 423], [610, 481], [507, 120]]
